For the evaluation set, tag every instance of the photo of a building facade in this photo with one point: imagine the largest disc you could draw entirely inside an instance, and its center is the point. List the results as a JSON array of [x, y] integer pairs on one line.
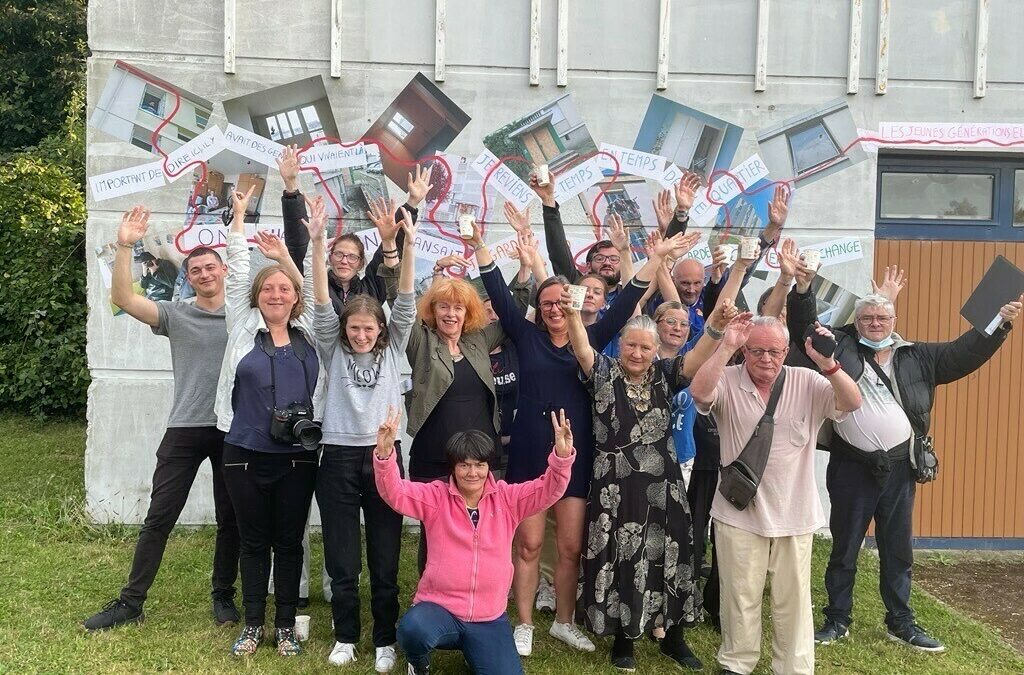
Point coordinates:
[[689, 138]]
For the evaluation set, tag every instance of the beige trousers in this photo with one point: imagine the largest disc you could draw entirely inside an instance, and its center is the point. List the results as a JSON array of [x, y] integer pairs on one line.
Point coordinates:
[[744, 562]]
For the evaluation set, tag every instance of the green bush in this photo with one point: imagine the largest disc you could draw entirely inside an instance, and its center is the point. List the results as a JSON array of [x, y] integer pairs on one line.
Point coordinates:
[[43, 310]]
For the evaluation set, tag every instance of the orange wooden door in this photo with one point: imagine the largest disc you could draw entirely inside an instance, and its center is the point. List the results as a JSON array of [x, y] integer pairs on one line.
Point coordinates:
[[975, 421]]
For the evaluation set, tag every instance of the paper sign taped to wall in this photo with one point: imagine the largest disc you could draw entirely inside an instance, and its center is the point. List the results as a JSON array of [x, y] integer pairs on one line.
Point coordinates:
[[632, 162], [577, 179], [127, 181], [199, 149], [333, 157], [670, 177], [428, 248], [252, 146], [951, 135], [725, 188], [509, 185], [833, 252], [211, 231]]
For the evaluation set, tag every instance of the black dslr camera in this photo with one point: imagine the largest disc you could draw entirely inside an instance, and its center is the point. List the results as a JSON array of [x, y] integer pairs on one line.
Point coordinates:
[[294, 425]]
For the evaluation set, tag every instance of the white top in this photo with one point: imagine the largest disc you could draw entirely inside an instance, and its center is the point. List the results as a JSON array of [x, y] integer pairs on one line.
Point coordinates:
[[880, 423]]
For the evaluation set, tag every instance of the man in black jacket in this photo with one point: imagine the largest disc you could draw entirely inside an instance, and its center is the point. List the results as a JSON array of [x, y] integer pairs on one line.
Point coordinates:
[[870, 473]]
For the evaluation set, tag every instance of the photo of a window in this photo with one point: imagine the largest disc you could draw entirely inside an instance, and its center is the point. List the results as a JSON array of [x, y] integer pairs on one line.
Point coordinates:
[[811, 147], [400, 126], [294, 113], [152, 101]]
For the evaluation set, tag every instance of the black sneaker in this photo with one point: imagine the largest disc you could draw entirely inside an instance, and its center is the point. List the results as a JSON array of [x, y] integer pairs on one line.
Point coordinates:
[[916, 637], [831, 631], [622, 654], [225, 613], [422, 670], [674, 646], [114, 613], [303, 603]]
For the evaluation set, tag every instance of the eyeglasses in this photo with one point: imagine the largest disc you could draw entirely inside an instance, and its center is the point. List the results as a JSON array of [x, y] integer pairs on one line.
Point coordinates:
[[774, 353], [548, 306], [675, 322], [345, 257], [868, 320], [600, 258]]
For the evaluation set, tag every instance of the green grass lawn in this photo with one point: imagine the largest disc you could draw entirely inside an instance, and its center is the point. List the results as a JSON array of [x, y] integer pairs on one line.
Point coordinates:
[[56, 569]]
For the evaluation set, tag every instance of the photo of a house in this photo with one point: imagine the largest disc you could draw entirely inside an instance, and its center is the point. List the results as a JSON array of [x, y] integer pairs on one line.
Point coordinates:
[[421, 121], [630, 198], [293, 113], [464, 194], [811, 145], [554, 134], [135, 103], [687, 137], [348, 192], [225, 173]]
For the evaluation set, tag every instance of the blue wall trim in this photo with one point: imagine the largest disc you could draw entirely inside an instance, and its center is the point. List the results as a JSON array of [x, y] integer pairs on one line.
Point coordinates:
[[962, 543]]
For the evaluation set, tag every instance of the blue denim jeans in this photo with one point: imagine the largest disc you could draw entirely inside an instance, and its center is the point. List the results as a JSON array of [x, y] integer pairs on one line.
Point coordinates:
[[487, 645]]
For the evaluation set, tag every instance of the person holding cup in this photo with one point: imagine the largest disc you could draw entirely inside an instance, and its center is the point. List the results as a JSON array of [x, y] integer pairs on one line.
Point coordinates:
[[270, 398], [548, 380]]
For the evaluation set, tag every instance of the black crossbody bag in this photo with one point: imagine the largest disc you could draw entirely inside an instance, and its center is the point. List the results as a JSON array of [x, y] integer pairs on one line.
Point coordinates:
[[923, 459], [741, 478]]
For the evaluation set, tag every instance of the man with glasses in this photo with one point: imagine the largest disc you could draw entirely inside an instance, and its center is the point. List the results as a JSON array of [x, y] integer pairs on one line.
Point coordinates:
[[774, 533], [870, 475]]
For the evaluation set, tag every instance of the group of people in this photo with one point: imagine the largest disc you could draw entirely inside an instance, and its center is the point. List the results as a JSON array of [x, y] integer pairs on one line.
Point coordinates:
[[615, 420]]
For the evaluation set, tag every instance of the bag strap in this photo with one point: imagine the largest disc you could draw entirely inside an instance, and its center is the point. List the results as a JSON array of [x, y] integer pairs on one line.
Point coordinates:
[[755, 453], [869, 358], [298, 342], [773, 400]]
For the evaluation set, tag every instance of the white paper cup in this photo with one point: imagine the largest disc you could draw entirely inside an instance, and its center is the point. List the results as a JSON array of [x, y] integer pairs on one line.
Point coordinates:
[[466, 225], [748, 247], [302, 627], [811, 258], [578, 294], [543, 175]]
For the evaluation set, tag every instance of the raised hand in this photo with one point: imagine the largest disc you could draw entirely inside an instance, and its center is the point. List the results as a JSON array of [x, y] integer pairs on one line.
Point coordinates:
[[724, 312], [1011, 310], [663, 247], [663, 209], [134, 224], [452, 261], [789, 258], [240, 202], [527, 249], [545, 192], [271, 246], [288, 166], [778, 209], [823, 362], [382, 215], [617, 233], [419, 184], [686, 190], [317, 222], [804, 276], [519, 220], [893, 282], [685, 244], [652, 242], [563, 434], [387, 432], [719, 263], [737, 332], [410, 228]]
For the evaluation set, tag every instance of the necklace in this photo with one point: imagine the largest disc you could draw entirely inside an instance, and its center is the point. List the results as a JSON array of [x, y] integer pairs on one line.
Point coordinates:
[[639, 393]]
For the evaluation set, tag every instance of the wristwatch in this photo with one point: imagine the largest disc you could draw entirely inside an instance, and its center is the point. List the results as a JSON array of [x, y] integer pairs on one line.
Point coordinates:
[[682, 214]]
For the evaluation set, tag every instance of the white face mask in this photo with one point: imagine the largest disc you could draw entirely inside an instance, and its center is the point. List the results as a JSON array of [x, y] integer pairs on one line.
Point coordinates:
[[881, 344]]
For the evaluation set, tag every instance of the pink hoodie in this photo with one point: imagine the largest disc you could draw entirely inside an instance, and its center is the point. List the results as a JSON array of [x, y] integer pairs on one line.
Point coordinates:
[[469, 570]]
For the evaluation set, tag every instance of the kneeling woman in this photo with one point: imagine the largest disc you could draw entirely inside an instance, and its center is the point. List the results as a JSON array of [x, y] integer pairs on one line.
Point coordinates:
[[271, 386], [637, 562], [470, 521], [362, 355]]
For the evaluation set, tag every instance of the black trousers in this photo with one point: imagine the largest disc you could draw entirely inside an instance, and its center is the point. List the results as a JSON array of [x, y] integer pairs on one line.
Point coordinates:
[[271, 493], [700, 493], [181, 452], [344, 485], [857, 498]]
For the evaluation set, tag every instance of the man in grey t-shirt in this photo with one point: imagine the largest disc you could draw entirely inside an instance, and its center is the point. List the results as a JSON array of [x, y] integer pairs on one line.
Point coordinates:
[[198, 336]]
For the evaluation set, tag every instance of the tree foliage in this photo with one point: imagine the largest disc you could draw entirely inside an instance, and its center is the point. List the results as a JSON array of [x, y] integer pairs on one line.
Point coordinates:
[[42, 50]]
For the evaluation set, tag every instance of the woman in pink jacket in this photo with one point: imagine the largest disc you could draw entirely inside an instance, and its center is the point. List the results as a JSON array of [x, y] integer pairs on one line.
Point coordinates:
[[469, 522]]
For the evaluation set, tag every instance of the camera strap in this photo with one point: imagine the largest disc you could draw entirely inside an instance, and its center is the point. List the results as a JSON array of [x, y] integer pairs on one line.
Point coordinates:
[[298, 343]]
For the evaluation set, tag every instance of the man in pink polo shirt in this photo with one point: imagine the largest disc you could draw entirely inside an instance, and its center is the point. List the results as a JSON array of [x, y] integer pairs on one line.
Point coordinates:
[[774, 533]]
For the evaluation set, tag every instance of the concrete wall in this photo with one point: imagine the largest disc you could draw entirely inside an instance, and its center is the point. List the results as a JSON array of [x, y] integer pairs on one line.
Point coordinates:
[[612, 59]]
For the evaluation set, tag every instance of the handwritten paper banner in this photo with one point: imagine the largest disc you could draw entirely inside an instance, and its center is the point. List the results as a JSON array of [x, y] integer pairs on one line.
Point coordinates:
[[127, 181], [509, 185]]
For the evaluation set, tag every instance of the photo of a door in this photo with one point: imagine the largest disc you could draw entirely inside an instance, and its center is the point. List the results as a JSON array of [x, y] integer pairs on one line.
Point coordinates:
[[542, 144], [692, 143]]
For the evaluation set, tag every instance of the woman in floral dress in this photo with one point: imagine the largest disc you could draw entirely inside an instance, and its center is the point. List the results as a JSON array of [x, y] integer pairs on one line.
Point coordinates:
[[637, 564]]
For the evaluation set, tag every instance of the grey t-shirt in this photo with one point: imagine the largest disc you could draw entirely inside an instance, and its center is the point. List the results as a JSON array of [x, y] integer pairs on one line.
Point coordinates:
[[198, 340]]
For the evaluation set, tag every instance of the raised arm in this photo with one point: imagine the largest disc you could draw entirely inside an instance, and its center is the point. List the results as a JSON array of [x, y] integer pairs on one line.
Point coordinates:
[[554, 232], [846, 390], [236, 285], [512, 320], [536, 495], [133, 228], [293, 206], [788, 263], [407, 277], [685, 192], [704, 385], [578, 335], [404, 496], [620, 240], [714, 330], [893, 283]]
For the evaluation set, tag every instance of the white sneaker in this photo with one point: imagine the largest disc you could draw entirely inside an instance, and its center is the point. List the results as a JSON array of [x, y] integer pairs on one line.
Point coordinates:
[[570, 634], [342, 654], [386, 659], [545, 596], [523, 635]]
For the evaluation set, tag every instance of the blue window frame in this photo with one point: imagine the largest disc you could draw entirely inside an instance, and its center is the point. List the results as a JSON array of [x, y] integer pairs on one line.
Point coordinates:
[[957, 197]]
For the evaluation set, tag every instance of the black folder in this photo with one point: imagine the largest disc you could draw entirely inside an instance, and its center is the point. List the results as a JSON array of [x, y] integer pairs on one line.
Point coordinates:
[[1003, 283]]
